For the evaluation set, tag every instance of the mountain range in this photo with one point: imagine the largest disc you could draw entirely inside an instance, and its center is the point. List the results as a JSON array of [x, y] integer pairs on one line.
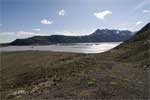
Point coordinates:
[[104, 35]]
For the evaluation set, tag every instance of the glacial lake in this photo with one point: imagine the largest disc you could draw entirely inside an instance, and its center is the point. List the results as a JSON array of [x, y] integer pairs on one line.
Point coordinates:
[[67, 47]]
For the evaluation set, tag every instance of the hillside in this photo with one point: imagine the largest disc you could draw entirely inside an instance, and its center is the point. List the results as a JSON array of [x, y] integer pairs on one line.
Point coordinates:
[[121, 73], [137, 48], [104, 35]]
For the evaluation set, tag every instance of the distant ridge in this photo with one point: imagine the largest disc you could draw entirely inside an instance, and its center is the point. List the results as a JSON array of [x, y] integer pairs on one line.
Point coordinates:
[[103, 35], [136, 48]]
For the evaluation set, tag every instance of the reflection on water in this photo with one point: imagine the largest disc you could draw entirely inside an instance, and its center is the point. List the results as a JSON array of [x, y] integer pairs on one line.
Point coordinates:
[[76, 47]]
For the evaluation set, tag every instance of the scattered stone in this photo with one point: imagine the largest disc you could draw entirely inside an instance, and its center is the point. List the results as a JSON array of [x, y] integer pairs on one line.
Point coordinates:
[[113, 83], [34, 90], [84, 93], [11, 86], [40, 86], [17, 93], [46, 84], [140, 82]]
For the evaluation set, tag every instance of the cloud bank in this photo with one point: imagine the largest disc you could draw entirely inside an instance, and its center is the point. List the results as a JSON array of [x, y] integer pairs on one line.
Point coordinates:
[[138, 23], [45, 21], [146, 11], [36, 29]]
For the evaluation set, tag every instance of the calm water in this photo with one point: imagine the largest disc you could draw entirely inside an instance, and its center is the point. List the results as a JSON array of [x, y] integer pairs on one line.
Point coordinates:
[[77, 47]]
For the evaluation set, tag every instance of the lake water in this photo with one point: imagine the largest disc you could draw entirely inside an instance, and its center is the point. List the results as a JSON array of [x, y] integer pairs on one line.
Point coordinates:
[[76, 47]]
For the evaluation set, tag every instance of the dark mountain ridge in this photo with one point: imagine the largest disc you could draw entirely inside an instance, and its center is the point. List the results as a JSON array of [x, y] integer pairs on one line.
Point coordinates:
[[103, 35]]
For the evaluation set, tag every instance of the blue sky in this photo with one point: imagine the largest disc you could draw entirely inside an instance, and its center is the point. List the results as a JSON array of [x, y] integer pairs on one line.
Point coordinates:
[[26, 18]]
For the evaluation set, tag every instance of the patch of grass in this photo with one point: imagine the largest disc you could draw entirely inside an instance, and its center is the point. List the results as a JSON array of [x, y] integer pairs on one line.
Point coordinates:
[[92, 82], [84, 93]]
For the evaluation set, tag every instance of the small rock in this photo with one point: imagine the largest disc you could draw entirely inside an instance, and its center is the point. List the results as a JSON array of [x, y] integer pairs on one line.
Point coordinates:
[[113, 83], [34, 90], [17, 93]]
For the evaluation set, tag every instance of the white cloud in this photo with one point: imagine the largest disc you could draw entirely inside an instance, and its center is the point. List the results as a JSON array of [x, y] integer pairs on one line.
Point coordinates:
[[36, 29], [10, 36], [73, 33], [138, 23], [61, 12], [45, 21], [23, 34], [103, 14], [146, 11], [68, 33], [6, 33], [6, 37]]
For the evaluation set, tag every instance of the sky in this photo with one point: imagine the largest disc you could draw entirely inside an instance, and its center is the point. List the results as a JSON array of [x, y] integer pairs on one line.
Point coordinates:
[[26, 18]]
